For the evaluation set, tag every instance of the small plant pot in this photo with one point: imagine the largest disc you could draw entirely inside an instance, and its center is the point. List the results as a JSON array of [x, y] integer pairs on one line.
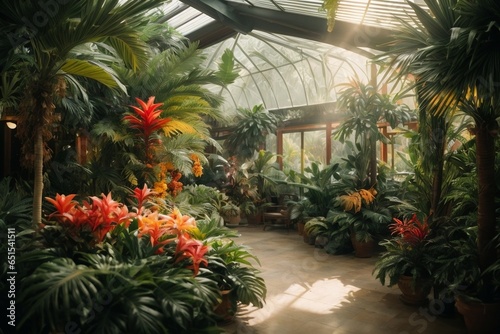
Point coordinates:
[[479, 317], [362, 249], [225, 310], [413, 294], [232, 220]]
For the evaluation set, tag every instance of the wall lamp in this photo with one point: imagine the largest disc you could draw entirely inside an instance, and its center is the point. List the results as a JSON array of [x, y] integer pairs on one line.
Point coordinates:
[[11, 125]]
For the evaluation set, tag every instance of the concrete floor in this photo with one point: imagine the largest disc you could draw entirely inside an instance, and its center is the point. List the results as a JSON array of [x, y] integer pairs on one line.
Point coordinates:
[[310, 291]]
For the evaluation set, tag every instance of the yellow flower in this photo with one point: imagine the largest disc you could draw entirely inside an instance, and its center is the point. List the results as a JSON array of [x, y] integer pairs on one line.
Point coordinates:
[[197, 169]]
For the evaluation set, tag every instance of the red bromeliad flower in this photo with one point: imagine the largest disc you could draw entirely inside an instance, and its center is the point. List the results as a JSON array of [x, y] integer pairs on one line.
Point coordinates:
[[99, 216], [142, 195], [147, 120], [411, 230], [191, 249], [63, 203]]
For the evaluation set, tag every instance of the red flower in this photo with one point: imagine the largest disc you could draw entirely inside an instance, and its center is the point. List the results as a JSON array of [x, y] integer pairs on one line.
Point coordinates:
[[142, 196], [62, 203], [147, 120], [412, 231], [191, 249]]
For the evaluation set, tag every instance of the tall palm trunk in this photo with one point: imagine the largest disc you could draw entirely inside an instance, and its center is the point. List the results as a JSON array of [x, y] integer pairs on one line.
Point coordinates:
[[438, 136], [38, 177], [486, 221]]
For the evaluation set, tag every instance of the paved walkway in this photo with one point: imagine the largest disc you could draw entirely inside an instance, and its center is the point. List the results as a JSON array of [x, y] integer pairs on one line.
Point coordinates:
[[311, 292]]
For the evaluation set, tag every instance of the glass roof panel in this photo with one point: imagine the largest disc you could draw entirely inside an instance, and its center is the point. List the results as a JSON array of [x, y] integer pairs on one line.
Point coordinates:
[[188, 19], [282, 71]]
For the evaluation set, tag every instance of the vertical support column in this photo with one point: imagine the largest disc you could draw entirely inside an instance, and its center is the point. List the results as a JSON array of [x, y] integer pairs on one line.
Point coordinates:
[[279, 147], [302, 152], [328, 142]]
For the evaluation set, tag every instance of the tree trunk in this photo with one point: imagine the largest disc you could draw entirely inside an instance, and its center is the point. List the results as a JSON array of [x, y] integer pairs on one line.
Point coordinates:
[[38, 178], [439, 143], [486, 220], [373, 161]]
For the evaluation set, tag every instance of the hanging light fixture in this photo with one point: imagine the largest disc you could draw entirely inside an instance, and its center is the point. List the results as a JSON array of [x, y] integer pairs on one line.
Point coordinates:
[[11, 125]]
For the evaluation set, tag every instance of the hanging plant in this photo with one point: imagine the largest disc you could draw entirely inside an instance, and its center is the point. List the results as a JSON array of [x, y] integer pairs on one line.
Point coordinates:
[[330, 6]]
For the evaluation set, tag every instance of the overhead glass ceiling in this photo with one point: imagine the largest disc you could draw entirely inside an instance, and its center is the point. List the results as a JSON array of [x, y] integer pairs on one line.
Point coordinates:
[[283, 71], [285, 55]]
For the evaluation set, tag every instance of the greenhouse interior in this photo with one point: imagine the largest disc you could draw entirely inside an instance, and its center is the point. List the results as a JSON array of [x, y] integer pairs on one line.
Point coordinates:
[[250, 166]]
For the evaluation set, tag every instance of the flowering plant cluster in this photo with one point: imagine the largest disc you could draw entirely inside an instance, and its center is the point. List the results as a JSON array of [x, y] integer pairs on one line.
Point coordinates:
[[409, 252], [411, 231], [101, 216]]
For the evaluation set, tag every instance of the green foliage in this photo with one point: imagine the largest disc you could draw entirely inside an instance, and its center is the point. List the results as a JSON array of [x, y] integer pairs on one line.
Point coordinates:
[[126, 283], [15, 205], [319, 190], [227, 70], [252, 126], [233, 270]]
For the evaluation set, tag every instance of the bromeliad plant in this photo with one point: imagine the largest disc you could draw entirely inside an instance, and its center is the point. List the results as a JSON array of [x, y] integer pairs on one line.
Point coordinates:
[[409, 252], [153, 264], [148, 121]]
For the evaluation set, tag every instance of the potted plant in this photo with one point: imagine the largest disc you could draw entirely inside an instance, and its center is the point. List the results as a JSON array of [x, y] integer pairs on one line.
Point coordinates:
[[231, 213], [408, 260], [231, 265]]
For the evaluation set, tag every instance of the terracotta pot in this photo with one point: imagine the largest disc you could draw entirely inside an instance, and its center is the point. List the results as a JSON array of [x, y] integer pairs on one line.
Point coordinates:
[[413, 295], [362, 249], [300, 228], [225, 309], [479, 317], [232, 220]]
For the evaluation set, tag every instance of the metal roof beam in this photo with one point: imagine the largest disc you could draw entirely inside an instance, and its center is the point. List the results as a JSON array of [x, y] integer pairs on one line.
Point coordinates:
[[223, 13]]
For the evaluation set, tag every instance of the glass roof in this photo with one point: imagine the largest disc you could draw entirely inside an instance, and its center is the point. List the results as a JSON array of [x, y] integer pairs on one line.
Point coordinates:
[[283, 72], [278, 44]]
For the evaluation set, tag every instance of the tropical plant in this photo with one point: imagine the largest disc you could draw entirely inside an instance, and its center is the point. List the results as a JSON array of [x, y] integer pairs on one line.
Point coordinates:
[[177, 80], [231, 266], [409, 252], [123, 277], [461, 31], [318, 191], [367, 107], [109, 23], [249, 134]]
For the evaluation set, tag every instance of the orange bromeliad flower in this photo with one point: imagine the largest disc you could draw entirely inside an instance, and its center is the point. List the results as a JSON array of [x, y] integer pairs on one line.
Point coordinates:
[[99, 216], [179, 223], [154, 225], [191, 249], [142, 195]]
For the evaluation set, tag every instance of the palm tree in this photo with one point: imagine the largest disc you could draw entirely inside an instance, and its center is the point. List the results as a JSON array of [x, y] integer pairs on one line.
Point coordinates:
[[47, 37], [176, 78], [449, 51]]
